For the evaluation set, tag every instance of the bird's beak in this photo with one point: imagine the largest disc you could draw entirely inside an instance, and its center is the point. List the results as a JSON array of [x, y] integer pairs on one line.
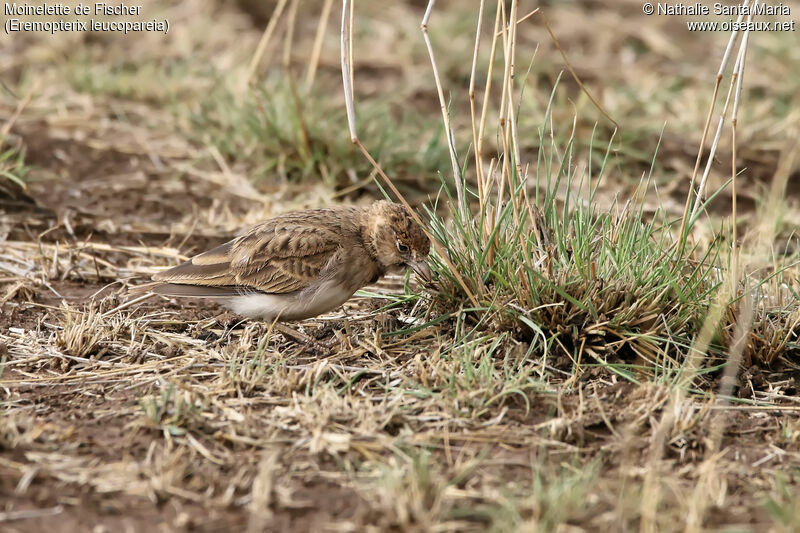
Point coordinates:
[[422, 270]]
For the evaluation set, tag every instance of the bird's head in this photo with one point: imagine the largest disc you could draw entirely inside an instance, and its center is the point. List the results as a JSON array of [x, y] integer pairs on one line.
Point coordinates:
[[398, 240]]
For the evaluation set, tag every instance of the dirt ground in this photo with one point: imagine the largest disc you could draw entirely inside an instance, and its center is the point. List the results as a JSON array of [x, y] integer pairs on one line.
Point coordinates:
[[170, 415]]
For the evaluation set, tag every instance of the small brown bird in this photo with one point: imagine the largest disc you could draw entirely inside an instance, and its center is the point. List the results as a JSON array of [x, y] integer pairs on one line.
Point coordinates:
[[302, 264]]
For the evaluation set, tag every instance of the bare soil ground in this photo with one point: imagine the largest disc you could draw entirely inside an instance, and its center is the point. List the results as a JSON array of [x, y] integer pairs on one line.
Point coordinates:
[[175, 416]]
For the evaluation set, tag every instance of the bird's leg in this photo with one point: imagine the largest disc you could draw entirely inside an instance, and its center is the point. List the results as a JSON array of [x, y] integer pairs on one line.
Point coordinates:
[[330, 343], [204, 332], [301, 337], [347, 332], [337, 337], [228, 323], [291, 333]]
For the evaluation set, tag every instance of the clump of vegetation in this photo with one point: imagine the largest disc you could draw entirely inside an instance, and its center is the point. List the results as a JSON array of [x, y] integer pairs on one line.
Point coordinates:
[[85, 333], [526, 247], [173, 411], [299, 137], [12, 165], [573, 280]]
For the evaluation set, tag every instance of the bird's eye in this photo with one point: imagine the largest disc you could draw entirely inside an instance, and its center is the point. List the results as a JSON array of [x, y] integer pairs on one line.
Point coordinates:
[[402, 248]]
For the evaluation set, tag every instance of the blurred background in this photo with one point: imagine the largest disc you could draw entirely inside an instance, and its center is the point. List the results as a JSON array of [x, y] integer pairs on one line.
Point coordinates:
[[144, 135]]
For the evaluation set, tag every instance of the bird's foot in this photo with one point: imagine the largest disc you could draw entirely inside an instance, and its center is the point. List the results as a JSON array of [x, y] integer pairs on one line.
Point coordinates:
[[320, 347]]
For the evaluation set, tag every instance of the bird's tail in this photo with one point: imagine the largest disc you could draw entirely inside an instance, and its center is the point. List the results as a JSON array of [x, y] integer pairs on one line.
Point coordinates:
[[185, 290]]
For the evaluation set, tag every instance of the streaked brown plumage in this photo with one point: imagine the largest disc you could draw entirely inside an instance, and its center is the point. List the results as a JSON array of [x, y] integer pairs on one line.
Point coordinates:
[[304, 263]]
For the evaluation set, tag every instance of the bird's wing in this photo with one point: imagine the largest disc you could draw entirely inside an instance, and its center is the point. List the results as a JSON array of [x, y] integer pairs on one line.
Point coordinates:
[[276, 257]]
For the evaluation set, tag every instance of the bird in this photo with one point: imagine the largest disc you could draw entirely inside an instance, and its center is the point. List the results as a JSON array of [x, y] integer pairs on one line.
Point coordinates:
[[303, 263]]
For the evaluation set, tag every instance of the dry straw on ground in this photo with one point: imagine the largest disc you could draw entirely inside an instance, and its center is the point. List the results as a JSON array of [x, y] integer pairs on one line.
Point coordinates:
[[569, 378]]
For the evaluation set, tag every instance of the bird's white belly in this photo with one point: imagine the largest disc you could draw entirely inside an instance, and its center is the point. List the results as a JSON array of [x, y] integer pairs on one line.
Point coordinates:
[[293, 306]]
